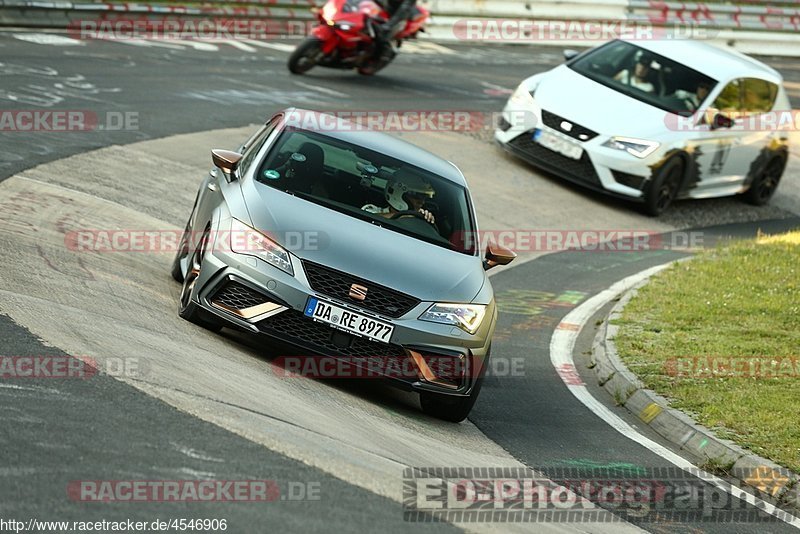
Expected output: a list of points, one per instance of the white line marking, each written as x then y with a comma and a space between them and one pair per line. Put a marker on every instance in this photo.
46, 39
273, 46
234, 43
142, 42
322, 89
426, 48
561, 346
205, 47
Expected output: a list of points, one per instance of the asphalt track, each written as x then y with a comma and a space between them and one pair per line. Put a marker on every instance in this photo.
235, 417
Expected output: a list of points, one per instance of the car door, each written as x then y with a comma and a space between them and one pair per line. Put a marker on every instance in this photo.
724, 153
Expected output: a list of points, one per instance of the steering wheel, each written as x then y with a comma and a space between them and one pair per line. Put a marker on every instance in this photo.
416, 214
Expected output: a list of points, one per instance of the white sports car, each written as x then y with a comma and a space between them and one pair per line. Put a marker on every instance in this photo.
654, 121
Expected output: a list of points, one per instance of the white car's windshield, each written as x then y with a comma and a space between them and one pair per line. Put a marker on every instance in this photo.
646, 76
369, 185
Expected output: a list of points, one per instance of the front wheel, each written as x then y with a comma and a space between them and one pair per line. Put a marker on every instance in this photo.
663, 187
447, 408
180, 256
766, 182
305, 56
453, 409
187, 308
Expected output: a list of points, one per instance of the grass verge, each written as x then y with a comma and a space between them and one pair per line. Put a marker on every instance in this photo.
719, 336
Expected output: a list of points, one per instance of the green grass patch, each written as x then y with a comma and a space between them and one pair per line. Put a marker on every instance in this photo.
707, 334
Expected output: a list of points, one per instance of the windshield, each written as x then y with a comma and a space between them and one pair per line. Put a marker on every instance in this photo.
371, 186
646, 76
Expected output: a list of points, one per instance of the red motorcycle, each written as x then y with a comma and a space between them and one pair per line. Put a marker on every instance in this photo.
346, 37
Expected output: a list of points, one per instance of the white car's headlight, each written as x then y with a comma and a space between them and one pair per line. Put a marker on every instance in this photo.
522, 95
247, 240
640, 148
468, 317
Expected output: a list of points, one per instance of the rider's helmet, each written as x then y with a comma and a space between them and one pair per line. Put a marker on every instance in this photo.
407, 183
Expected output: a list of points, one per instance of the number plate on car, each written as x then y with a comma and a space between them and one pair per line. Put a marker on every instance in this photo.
558, 144
348, 321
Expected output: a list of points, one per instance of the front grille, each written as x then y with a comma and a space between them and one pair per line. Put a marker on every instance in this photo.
237, 296
578, 132
293, 327
579, 170
379, 299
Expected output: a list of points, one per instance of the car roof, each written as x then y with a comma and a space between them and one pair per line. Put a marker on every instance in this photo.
719, 63
390, 145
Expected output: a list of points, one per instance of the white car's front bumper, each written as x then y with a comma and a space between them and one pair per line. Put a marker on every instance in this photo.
601, 168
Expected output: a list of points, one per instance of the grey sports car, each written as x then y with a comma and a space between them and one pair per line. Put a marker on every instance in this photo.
347, 244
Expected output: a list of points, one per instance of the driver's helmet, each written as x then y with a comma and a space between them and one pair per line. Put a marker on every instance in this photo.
405, 183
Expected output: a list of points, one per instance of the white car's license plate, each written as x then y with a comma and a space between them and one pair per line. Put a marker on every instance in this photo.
348, 321
557, 144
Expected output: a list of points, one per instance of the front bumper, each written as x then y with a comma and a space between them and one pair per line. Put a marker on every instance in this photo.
421, 356
600, 168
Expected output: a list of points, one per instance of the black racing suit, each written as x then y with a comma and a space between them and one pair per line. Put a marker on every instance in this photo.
399, 12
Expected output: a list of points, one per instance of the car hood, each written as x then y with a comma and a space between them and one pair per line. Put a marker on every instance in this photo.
423, 270
597, 107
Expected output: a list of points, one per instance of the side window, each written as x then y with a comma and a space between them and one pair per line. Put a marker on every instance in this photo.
255, 143
729, 99
758, 96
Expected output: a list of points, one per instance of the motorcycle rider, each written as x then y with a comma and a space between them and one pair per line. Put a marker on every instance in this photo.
399, 13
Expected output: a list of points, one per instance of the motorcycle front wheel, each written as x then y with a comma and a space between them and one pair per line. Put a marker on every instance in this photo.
305, 56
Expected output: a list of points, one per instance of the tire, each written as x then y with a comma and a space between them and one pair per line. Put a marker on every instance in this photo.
449, 408
373, 67
305, 56
187, 308
663, 187
766, 182
183, 250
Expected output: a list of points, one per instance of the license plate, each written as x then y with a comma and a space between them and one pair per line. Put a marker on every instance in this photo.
555, 143
348, 321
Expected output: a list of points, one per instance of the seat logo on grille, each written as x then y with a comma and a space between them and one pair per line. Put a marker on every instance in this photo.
566, 126
357, 292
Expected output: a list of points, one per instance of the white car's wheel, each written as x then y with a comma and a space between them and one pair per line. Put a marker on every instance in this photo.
766, 181
663, 187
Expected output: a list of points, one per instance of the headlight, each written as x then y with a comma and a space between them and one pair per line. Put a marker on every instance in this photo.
468, 317
249, 241
522, 95
636, 147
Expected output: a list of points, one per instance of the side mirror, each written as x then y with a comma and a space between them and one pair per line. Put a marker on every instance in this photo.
570, 53
227, 161
497, 255
720, 120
